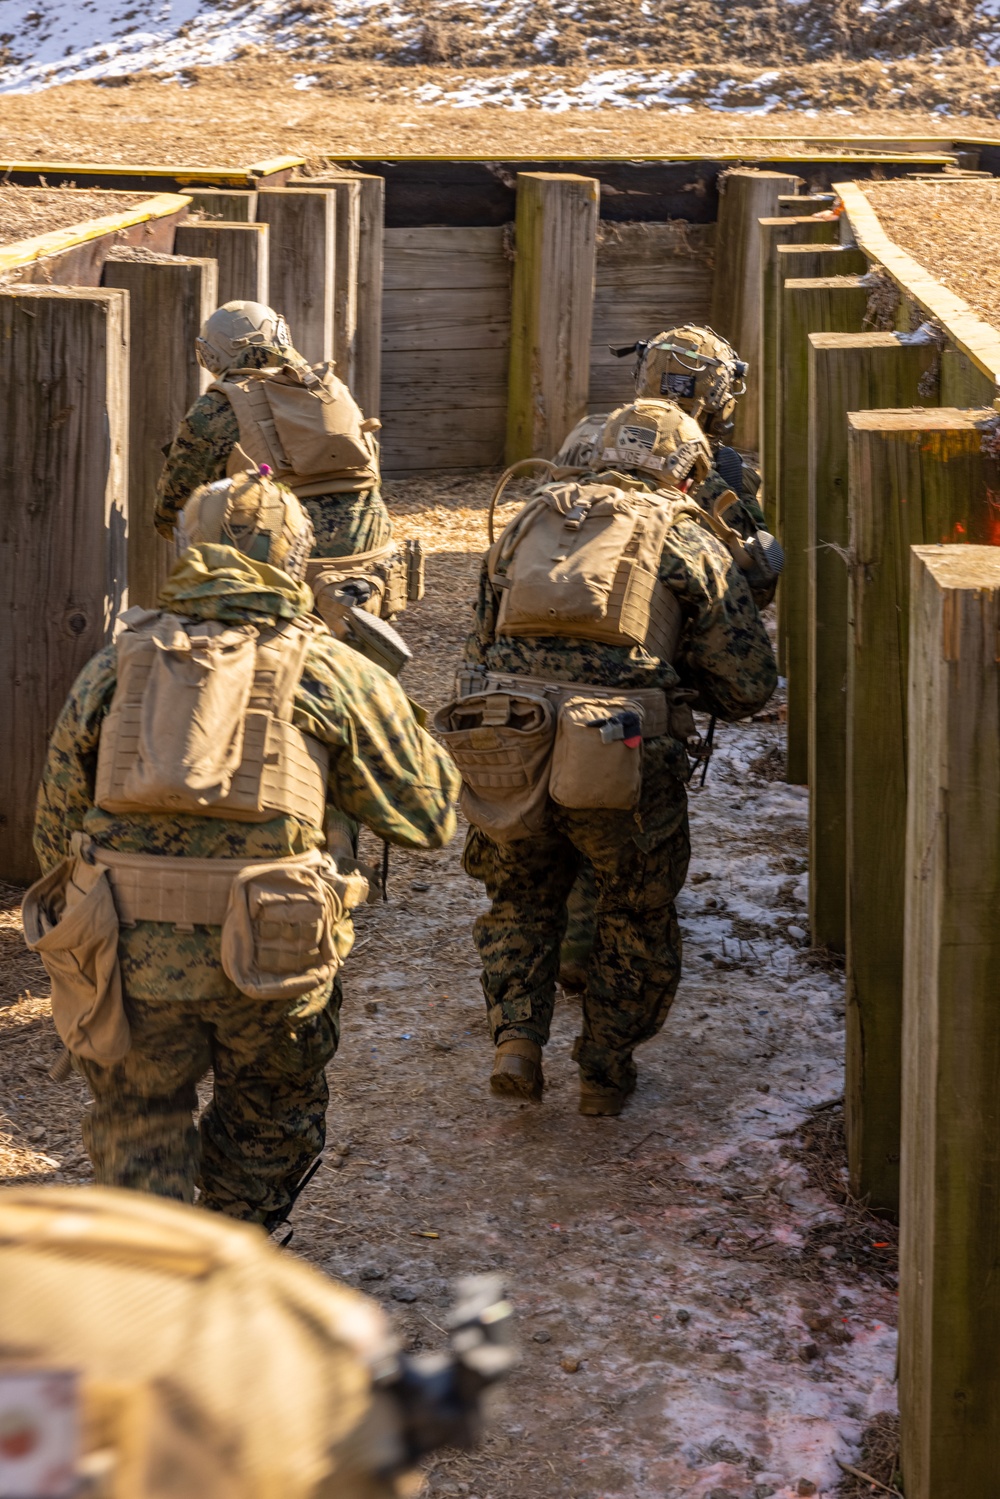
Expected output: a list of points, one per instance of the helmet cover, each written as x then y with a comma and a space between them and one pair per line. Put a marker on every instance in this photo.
656, 439
254, 514
237, 326
694, 367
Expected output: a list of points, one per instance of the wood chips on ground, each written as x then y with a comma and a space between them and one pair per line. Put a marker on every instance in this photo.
952, 228
26, 212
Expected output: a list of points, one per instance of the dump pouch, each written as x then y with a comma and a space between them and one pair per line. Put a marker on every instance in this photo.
597, 759
71, 922
287, 927
501, 743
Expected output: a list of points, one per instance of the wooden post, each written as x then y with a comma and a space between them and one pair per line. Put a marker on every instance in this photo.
302, 258
773, 232
63, 526
745, 196
847, 372
169, 299
233, 206
551, 310
369, 254
832, 304
241, 252
949, 1288
808, 262
345, 309
962, 383
915, 477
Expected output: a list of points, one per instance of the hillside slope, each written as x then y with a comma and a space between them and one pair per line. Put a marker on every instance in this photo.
673, 52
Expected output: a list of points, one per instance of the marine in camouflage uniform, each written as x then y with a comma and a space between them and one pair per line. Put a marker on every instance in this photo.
345, 524
266, 1120
638, 860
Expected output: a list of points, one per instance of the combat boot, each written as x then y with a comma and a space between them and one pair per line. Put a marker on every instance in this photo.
517, 1070
600, 1101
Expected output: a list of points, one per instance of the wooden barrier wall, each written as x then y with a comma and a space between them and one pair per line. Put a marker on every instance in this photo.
445, 346
649, 277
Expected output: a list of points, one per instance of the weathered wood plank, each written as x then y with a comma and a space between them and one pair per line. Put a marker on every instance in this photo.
551, 310
445, 320
424, 439
830, 304
950, 1208
772, 232
847, 372
241, 251
303, 263
915, 477
745, 197
168, 301
232, 205
444, 259
63, 524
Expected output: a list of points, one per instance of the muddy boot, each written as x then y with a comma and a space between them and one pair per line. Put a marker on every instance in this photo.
517, 1070
603, 1102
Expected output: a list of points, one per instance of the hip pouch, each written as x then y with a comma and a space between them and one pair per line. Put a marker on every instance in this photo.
288, 927
597, 760
501, 743
70, 920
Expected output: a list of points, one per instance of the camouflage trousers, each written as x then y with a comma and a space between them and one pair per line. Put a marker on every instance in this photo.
635, 964
266, 1121
346, 524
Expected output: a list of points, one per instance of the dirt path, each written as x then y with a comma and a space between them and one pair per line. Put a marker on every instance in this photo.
699, 1314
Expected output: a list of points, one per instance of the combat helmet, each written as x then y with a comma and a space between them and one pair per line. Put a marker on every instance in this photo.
163, 1351
237, 326
252, 513
657, 440
697, 369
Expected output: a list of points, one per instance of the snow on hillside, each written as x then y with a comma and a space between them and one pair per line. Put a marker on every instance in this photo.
649, 54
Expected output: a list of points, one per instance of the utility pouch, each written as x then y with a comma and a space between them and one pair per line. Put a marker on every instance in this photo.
70, 920
502, 745
413, 550
288, 927
597, 759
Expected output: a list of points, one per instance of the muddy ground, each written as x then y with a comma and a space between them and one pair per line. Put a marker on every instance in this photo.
701, 1314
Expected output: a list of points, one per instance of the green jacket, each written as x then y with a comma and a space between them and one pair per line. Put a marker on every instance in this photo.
345, 524
385, 771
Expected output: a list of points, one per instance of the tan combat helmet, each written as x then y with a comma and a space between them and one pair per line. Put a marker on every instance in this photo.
254, 514
156, 1351
695, 368
237, 326
657, 440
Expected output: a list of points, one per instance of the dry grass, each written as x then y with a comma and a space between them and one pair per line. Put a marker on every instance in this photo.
28, 211
952, 229
879, 1459
248, 112
857, 1241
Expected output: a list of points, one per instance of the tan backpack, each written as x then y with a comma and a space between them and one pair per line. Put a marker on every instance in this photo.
305, 424
582, 560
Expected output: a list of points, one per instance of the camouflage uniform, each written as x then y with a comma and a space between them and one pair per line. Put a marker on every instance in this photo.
266, 1120
345, 524
639, 859
748, 515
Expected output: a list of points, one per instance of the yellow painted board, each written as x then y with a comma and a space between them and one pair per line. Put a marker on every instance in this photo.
24, 251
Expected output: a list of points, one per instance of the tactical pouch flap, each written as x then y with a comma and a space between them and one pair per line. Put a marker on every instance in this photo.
288, 926
597, 760
318, 421
71, 922
502, 745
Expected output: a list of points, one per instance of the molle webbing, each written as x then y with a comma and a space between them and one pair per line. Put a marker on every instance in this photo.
183, 892
281, 769
652, 701
582, 561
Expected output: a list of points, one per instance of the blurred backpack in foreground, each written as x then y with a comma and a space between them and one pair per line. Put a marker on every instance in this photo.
149, 1350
